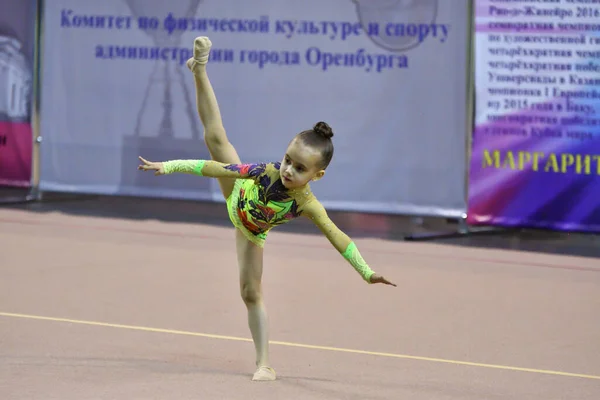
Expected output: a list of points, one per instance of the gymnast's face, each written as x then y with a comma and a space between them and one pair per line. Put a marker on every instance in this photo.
300, 165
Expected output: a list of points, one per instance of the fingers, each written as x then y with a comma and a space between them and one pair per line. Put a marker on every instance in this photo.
381, 279
148, 165
144, 160
142, 167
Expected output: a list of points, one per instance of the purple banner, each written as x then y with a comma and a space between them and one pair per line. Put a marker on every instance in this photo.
535, 158
17, 41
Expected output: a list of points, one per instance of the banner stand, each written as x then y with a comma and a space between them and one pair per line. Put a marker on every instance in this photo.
34, 193
463, 230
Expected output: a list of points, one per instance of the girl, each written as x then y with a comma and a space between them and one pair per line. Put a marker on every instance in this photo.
260, 196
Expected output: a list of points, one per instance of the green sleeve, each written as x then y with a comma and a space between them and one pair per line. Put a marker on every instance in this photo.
184, 166
214, 169
360, 265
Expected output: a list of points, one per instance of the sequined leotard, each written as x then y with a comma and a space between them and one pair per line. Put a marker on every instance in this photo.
259, 201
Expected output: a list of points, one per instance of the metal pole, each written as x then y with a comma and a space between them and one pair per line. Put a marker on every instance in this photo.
470, 107
37, 136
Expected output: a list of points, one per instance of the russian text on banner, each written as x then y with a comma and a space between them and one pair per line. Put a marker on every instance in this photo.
536, 143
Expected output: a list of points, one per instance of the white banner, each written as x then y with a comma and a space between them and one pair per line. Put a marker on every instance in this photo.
389, 76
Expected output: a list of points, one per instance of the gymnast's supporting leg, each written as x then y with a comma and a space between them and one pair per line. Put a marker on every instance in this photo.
218, 144
250, 260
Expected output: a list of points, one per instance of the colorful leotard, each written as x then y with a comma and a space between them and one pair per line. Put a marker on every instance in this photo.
257, 205
259, 201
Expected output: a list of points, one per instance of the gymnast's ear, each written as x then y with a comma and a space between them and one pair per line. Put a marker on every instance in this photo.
318, 175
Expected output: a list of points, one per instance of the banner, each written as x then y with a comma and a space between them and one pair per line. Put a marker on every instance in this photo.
17, 42
388, 76
536, 145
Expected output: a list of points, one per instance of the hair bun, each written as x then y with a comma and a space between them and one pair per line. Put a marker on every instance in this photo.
321, 128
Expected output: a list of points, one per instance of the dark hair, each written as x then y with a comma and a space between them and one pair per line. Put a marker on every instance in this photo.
319, 137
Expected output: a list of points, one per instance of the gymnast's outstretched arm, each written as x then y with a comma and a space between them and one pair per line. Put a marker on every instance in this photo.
207, 168
342, 242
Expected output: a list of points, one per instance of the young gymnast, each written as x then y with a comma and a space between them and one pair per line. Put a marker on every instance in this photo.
260, 196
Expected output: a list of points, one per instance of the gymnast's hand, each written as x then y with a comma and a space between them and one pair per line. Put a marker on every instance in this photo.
152, 166
376, 278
